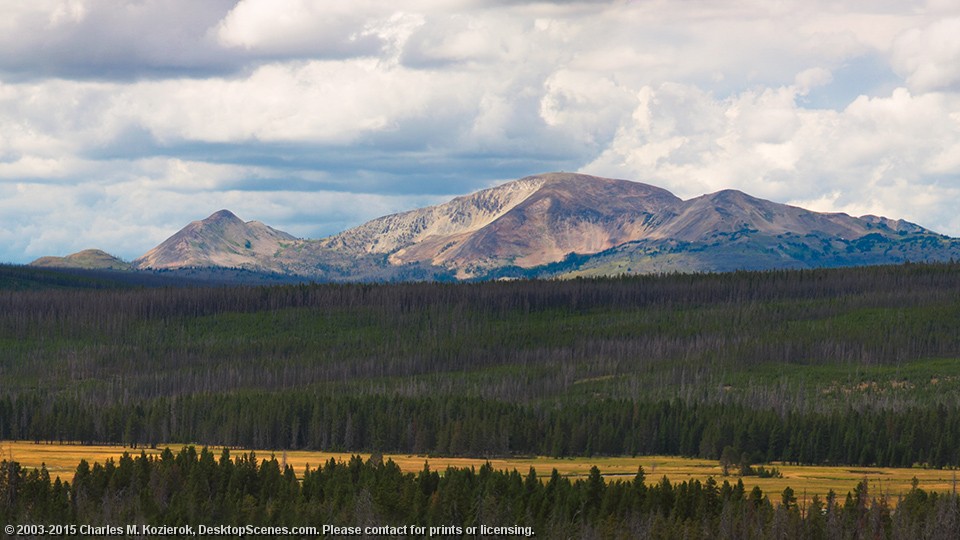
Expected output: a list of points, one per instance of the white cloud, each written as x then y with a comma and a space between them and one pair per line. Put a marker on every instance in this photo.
929, 57
299, 27
588, 107
466, 39
312, 101
100, 39
72, 11
139, 116
807, 80
315, 101
891, 155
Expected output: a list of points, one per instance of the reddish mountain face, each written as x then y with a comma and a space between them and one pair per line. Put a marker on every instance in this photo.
542, 219
569, 213
222, 239
603, 225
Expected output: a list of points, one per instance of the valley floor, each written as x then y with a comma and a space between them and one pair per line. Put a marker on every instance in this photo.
805, 480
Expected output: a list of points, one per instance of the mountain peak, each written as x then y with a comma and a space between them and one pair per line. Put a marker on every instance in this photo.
533, 226
530, 221
222, 239
729, 195
222, 215
558, 177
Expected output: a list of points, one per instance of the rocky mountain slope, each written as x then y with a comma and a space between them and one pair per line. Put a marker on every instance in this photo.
559, 224
222, 239
532, 225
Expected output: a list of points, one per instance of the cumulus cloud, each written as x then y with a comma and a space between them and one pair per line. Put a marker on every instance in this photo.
588, 106
889, 155
314, 101
100, 39
300, 28
929, 57
139, 116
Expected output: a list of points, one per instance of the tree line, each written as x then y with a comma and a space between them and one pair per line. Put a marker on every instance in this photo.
195, 487
486, 428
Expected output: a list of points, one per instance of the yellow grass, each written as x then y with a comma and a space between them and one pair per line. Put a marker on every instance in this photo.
806, 481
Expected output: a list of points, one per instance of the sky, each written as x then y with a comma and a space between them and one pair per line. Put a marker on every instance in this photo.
121, 121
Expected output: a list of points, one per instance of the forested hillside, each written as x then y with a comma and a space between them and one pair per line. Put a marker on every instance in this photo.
855, 366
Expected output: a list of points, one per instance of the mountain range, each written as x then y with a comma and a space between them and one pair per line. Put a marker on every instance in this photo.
550, 225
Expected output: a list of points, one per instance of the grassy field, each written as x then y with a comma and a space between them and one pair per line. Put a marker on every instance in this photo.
806, 481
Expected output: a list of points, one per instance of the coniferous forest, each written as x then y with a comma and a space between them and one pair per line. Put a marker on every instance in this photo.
856, 366
244, 495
